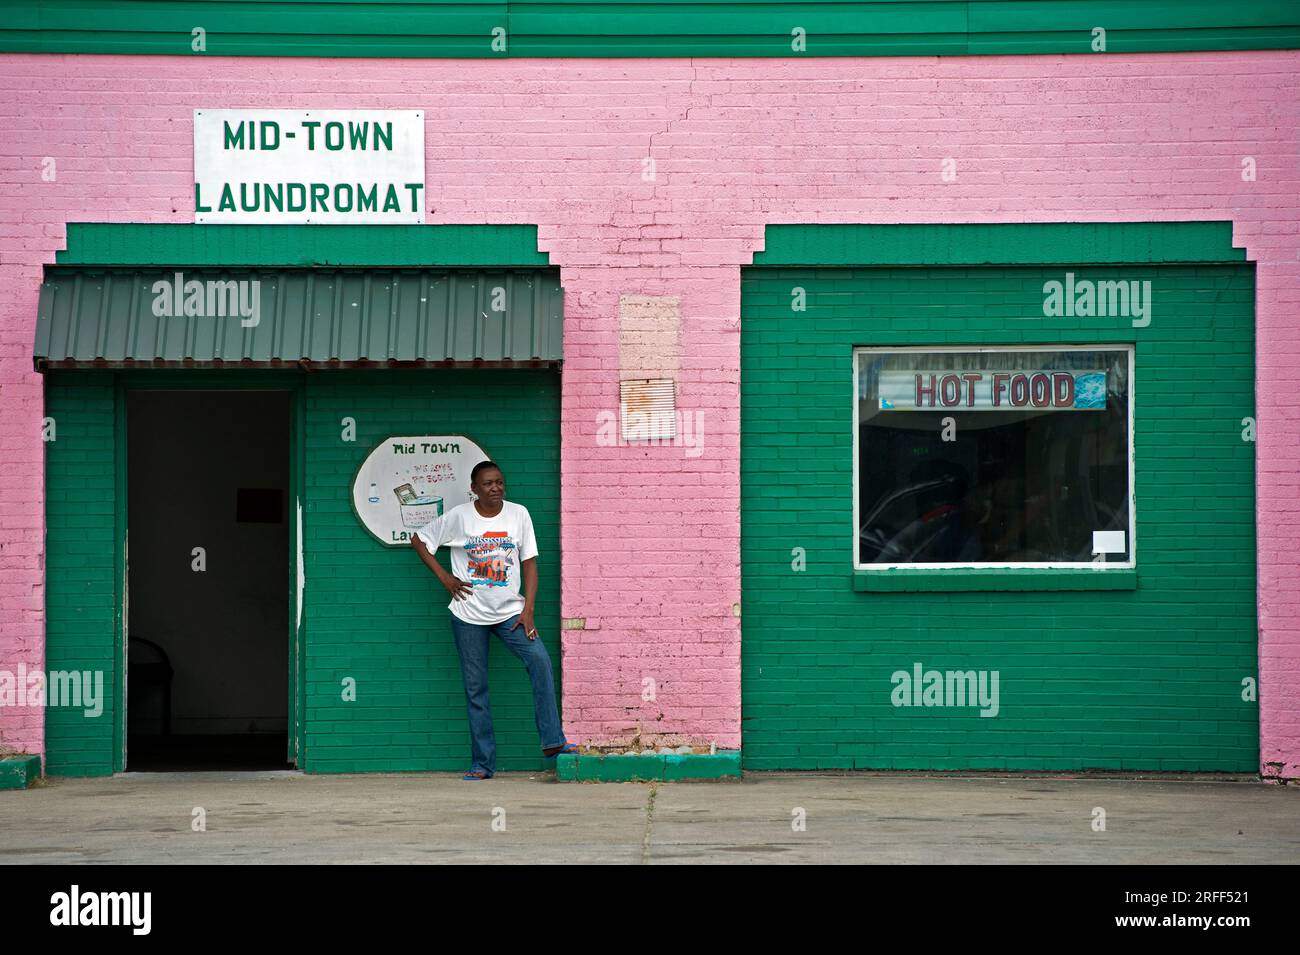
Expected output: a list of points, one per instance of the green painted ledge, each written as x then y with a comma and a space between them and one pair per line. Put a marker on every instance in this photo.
17, 772
362, 246
963, 579
645, 767
998, 243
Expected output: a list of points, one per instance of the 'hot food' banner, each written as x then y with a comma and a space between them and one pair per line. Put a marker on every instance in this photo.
992, 390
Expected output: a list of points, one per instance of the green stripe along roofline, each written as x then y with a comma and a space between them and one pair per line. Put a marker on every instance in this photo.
632, 28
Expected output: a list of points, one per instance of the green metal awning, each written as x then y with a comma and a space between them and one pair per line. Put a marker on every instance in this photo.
97, 317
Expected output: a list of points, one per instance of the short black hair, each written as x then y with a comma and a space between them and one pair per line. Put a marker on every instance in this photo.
482, 466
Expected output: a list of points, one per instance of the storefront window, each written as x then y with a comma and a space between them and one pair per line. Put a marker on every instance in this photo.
1002, 457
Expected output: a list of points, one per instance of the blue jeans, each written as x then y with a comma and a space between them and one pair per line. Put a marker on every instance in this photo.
472, 645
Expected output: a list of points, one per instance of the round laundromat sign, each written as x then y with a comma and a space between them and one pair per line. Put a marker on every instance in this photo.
406, 482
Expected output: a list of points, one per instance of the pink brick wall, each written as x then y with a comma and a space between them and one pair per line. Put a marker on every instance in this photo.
651, 535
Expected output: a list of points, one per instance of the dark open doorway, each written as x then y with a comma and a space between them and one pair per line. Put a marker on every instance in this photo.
207, 585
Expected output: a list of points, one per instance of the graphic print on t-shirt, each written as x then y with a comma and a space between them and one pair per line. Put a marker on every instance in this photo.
489, 558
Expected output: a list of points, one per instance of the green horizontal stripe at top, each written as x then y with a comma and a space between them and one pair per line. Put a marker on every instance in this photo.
634, 28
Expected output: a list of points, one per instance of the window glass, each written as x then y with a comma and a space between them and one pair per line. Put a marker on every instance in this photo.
993, 456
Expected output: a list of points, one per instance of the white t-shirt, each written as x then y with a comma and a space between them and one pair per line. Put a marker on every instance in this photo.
487, 553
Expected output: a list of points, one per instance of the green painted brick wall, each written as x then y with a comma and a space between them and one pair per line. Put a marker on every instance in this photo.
79, 565
1149, 678
376, 613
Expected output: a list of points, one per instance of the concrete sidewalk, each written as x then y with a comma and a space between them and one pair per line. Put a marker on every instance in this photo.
291, 817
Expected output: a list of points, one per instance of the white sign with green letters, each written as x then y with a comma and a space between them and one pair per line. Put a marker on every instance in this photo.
290, 165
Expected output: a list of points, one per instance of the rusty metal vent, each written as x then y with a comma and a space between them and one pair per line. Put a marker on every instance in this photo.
648, 409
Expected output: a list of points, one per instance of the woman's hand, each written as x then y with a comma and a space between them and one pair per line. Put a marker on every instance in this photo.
530, 628
459, 589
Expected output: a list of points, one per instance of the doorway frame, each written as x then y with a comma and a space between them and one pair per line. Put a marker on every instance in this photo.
212, 379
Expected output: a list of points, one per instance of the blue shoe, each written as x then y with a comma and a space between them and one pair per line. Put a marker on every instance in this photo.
566, 748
